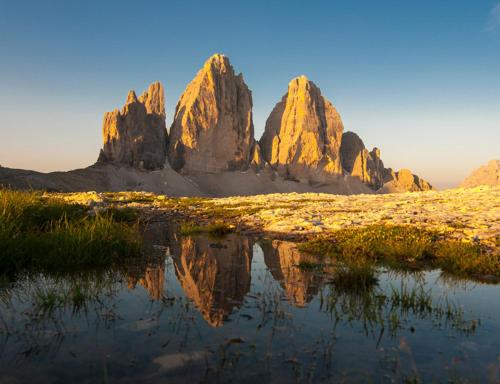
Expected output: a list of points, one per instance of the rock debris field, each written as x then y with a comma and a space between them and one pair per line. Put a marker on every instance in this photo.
464, 214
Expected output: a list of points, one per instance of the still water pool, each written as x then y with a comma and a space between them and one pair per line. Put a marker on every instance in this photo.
242, 310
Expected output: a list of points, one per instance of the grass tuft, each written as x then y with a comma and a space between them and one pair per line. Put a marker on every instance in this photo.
214, 229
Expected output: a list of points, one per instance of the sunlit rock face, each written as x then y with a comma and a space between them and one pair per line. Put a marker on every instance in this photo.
362, 164
404, 181
303, 134
283, 260
213, 129
136, 136
488, 174
215, 275
257, 162
368, 167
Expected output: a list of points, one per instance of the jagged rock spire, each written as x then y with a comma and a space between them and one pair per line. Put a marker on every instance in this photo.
302, 135
137, 135
360, 163
368, 167
213, 129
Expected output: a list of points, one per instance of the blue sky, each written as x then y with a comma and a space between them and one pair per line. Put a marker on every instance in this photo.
418, 79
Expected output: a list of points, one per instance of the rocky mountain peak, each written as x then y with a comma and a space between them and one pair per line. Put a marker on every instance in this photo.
375, 153
213, 128
131, 97
154, 99
136, 136
303, 134
404, 181
360, 163
488, 174
219, 62
368, 167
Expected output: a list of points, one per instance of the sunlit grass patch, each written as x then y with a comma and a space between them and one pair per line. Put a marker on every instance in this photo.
405, 247
209, 208
214, 229
47, 233
25, 211
466, 258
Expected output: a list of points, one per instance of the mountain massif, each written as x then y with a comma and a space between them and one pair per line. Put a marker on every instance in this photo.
488, 174
210, 149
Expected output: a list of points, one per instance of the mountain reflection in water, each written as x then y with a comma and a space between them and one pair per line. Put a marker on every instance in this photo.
216, 276
216, 273
240, 309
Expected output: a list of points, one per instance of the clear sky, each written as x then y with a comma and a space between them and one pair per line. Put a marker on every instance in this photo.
418, 79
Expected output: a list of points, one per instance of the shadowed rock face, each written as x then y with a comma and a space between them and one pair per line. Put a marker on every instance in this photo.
368, 167
488, 174
303, 134
283, 260
137, 135
362, 164
213, 129
215, 275
404, 181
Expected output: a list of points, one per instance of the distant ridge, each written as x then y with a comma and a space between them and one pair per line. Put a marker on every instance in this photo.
488, 174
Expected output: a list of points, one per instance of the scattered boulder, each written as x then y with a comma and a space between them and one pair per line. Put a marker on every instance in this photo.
213, 128
303, 134
488, 174
136, 136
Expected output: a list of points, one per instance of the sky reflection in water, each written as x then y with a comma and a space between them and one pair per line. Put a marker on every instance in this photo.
234, 309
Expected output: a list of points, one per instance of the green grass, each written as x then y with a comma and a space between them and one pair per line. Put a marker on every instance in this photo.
465, 258
205, 207
356, 296
354, 277
122, 214
406, 247
214, 229
27, 211
310, 265
45, 233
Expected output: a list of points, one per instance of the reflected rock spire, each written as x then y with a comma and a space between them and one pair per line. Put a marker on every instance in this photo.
283, 259
215, 276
